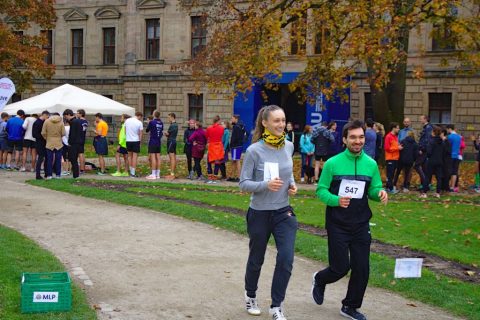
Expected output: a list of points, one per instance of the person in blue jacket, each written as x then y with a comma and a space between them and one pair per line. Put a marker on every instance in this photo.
15, 133
307, 149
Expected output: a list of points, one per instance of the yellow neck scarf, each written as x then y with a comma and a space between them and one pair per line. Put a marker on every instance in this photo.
277, 142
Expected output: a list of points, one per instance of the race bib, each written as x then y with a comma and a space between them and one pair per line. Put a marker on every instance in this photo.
352, 188
271, 171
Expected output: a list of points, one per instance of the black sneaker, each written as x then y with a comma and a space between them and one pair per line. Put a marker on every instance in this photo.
318, 290
352, 313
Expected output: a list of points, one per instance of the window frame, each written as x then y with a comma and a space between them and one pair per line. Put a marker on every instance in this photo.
195, 111
109, 56
77, 49
201, 37
152, 45
152, 97
440, 109
48, 47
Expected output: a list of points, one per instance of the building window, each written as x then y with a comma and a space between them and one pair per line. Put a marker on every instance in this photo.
195, 106
298, 37
369, 114
77, 47
440, 108
442, 38
199, 35
149, 103
321, 39
108, 45
153, 39
48, 46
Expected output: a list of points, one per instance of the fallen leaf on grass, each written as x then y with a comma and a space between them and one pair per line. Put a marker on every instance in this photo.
97, 307
466, 232
470, 273
446, 231
412, 305
393, 282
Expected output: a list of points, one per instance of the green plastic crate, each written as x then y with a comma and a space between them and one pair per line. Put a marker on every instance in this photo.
45, 292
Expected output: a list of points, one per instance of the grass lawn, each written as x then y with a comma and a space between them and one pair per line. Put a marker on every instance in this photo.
19, 254
458, 297
447, 229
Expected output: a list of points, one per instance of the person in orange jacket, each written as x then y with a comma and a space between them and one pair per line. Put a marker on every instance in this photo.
216, 152
392, 155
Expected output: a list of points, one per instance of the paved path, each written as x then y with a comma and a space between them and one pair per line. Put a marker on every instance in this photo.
139, 264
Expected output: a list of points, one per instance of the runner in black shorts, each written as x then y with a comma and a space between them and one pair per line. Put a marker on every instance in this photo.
172, 147
133, 146
172, 143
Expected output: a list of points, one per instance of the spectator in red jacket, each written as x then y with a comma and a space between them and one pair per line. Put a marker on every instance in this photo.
216, 152
392, 155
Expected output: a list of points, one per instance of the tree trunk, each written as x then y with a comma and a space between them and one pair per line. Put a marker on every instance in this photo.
389, 101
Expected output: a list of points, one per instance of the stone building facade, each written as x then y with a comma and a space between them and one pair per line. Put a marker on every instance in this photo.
125, 49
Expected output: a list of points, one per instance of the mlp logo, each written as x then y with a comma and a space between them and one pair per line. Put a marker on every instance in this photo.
45, 297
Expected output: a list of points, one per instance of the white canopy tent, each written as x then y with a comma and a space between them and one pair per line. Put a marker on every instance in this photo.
69, 97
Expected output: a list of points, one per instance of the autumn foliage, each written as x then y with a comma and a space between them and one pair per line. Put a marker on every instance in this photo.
21, 55
251, 41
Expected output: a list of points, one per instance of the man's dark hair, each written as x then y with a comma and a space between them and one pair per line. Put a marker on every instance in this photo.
355, 124
370, 123
4, 115
436, 131
394, 125
68, 112
451, 126
55, 114
236, 116
99, 115
81, 112
171, 114
156, 114
45, 112
138, 114
21, 113
426, 117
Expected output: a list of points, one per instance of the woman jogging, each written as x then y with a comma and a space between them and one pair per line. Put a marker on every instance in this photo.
268, 174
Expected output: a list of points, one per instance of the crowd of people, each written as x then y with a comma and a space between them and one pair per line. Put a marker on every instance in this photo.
438, 152
52, 141
57, 144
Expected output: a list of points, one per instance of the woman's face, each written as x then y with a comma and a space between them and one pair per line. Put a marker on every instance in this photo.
275, 122
289, 127
334, 127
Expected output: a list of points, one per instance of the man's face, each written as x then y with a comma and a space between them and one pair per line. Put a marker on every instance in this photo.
233, 120
406, 122
396, 130
355, 140
423, 120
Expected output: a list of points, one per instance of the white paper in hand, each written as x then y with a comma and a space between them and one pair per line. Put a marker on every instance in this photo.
408, 268
270, 171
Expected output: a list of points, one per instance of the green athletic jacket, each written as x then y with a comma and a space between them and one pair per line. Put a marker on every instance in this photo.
122, 137
352, 167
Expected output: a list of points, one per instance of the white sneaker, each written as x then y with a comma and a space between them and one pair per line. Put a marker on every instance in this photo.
251, 305
277, 313
151, 177
302, 179
22, 169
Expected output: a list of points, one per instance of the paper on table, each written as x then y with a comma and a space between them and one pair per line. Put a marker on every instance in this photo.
270, 171
408, 268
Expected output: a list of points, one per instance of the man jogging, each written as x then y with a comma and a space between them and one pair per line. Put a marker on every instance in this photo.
348, 180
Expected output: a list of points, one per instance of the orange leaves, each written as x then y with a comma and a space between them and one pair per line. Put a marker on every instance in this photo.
24, 49
332, 40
